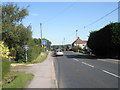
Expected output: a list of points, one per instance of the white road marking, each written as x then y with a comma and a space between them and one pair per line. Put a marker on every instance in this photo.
75, 59
111, 73
88, 64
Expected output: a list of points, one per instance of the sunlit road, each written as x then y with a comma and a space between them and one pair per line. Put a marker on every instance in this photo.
79, 71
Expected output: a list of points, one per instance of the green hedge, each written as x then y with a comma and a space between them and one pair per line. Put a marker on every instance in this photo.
5, 66
106, 41
33, 52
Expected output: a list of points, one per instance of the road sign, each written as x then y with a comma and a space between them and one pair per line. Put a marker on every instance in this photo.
26, 47
44, 42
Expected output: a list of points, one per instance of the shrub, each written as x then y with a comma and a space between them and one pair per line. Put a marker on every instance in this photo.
5, 66
21, 60
76, 48
13, 61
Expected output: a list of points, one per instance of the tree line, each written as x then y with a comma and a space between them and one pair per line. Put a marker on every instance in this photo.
106, 41
15, 34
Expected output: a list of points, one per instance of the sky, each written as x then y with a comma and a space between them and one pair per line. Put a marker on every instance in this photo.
60, 20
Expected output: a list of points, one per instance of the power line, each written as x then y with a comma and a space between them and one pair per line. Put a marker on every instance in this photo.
102, 17
61, 12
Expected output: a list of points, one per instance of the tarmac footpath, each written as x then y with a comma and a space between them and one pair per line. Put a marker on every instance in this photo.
44, 74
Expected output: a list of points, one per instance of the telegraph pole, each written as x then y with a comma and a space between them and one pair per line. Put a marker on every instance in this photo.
76, 34
118, 11
64, 41
41, 33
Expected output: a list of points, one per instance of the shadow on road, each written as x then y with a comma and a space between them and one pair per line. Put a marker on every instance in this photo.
87, 57
81, 56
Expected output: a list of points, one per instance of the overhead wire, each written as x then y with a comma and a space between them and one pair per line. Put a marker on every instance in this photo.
98, 19
71, 5
102, 17
60, 13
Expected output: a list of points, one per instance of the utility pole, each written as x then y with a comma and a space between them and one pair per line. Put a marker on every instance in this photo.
118, 11
76, 34
64, 41
41, 33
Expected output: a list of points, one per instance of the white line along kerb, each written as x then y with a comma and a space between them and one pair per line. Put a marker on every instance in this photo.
111, 73
88, 64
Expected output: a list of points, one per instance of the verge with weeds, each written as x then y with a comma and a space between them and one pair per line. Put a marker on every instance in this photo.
41, 58
17, 80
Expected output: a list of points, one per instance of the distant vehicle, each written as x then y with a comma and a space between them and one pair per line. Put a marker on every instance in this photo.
58, 52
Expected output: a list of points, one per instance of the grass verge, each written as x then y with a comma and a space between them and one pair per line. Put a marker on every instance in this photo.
21, 80
40, 58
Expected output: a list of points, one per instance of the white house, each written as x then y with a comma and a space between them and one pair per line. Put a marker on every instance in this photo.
80, 43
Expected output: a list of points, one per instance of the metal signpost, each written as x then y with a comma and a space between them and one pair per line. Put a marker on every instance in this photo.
44, 42
26, 47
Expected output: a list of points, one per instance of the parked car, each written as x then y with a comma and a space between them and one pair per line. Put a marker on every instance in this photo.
58, 52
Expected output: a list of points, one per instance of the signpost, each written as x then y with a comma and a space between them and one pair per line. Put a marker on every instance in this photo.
26, 47
44, 42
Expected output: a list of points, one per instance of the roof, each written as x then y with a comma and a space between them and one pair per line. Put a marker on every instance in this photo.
79, 41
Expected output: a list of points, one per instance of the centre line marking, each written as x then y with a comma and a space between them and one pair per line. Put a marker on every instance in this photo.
111, 73
75, 59
88, 64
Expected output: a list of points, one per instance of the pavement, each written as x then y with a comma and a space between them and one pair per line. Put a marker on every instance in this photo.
44, 74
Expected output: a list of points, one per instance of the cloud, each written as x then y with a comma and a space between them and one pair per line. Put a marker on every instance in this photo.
34, 14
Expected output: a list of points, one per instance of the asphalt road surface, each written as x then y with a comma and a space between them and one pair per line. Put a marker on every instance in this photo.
79, 71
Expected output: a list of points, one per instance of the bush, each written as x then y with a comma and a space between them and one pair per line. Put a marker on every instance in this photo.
33, 52
21, 60
76, 48
5, 67
13, 61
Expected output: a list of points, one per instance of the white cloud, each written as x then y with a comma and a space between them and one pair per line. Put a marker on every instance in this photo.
34, 14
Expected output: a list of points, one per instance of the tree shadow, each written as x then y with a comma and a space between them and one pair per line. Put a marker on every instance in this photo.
88, 57
81, 56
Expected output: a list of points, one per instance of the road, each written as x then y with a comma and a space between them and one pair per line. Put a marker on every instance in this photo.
79, 71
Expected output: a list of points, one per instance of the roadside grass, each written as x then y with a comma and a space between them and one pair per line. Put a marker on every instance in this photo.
40, 58
20, 80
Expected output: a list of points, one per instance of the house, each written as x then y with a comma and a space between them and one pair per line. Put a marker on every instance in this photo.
80, 43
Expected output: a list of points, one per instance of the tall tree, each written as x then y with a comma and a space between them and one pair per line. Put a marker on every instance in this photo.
12, 15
